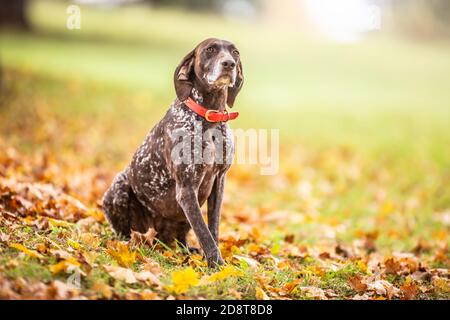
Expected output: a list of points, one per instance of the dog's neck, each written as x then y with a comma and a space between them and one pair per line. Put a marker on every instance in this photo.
213, 100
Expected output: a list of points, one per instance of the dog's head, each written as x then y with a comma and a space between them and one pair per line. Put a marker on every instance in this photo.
214, 64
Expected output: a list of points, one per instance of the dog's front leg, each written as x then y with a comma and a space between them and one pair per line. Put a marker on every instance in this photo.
214, 204
187, 199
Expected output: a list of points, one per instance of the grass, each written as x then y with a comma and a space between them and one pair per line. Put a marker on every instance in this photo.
364, 134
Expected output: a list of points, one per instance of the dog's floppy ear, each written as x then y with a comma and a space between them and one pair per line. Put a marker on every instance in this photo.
182, 77
234, 90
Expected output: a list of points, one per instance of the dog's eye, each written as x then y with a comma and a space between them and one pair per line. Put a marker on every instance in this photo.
235, 52
210, 49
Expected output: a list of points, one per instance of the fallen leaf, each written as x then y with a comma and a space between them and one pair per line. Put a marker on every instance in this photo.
74, 244
260, 294
61, 254
120, 252
236, 294
121, 274
392, 266
62, 291
289, 287
182, 280
147, 276
90, 240
59, 223
103, 289
96, 214
226, 272
29, 252
314, 292
441, 285
143, 295
409, 290
4, 237
340, 250
383, 288
138, 239
42, 248
252, 263
152, 266
289, 238
357, 284
64, 265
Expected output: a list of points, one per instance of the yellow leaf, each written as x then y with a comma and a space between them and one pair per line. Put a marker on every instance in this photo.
120, 252
261, 295
182, 280
90, 239
64, 265
441, 285
96, 214
31, 253
90, 257
58, 223
386, 208
283, 265
362, 265
73, 244
226, 272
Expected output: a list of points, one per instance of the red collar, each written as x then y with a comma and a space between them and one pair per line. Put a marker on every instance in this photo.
210, 115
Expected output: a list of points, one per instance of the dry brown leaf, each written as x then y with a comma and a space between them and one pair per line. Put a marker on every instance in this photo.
138, 239
61, 254
383, 288
236, 294
62, 291
314, 292
409, 290
143, 295
289, 287
147, 276
4, 237
357, 284
392, 265
121, 274
103, 289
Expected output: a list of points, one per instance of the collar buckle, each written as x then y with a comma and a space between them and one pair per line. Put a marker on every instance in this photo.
207, 115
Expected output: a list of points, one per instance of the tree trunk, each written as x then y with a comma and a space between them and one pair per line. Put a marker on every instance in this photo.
13, 14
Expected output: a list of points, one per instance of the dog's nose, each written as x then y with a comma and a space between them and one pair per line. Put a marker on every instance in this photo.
228, 64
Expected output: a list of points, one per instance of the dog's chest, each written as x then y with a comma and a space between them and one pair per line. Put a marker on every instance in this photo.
202, 143
181, 142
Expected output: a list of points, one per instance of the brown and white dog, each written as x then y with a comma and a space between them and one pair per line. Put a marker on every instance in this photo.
165, 185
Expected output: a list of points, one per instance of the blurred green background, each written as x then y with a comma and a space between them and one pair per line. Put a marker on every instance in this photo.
385, 88
371, 98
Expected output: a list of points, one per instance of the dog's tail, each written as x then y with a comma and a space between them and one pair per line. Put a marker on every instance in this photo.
116, 203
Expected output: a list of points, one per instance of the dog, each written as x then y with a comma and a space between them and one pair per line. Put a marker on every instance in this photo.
157, 190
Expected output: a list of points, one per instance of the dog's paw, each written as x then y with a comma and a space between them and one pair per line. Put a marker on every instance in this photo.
193, 250
215, 261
